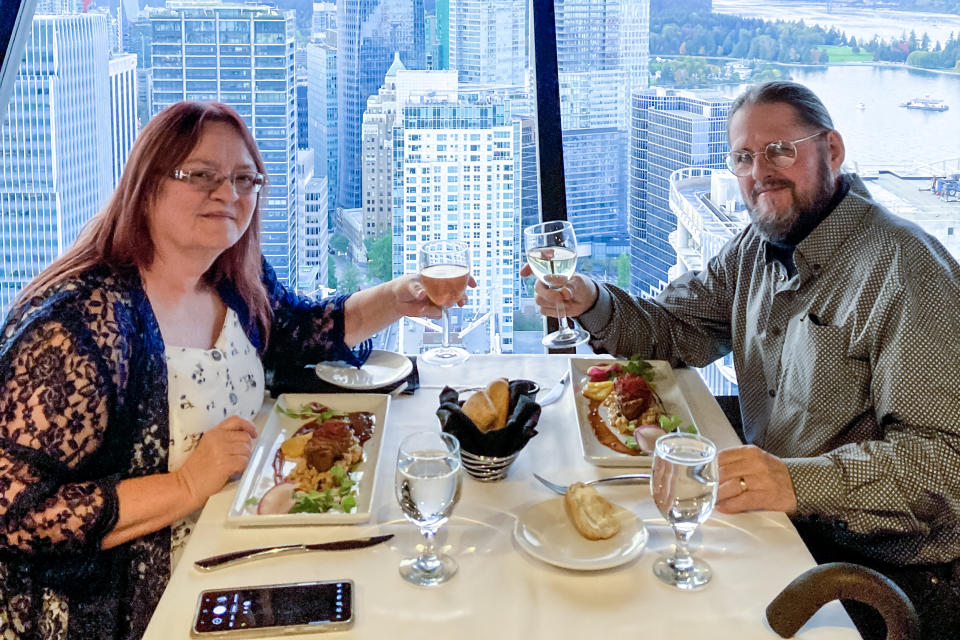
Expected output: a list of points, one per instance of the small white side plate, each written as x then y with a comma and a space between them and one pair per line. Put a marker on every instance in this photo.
545, 532
380, 369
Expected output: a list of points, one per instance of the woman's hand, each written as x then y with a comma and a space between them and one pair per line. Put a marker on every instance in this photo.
222, 452
578, 295
411, 298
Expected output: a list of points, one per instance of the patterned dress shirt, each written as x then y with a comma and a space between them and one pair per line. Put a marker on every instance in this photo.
849, 370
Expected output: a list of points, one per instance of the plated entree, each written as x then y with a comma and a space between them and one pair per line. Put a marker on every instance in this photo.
625, 411
313, 468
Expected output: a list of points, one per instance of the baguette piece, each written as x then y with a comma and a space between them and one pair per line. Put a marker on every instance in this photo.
499, 393
591, 514
480, 409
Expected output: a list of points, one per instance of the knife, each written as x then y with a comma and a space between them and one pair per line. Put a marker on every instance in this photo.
556, 392
228, 559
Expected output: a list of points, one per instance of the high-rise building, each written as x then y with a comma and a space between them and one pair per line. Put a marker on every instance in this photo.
456, 177
123, 109
56, 169
242, 55
369, 33
602, 56
314, 234
671, 130
487, 41
322, 118
139, 33
324, 17
303, 138
442, 7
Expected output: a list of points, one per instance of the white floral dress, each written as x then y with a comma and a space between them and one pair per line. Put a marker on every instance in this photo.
206, 386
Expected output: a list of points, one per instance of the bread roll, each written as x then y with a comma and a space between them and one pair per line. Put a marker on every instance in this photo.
592, 514
499, 393
480, 409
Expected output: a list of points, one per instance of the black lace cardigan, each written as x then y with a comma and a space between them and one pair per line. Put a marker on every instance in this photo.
83, 405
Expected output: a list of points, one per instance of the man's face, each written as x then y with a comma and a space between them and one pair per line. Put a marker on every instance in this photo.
777, 198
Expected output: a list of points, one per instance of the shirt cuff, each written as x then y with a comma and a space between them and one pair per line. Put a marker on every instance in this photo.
598, 316
817, 484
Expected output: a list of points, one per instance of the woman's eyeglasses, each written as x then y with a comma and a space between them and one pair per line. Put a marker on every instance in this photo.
208, 181
779, 153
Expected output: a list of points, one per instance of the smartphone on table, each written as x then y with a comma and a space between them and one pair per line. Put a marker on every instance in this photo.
250, 612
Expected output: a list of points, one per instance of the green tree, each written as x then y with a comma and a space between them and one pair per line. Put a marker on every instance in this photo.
351, 279
623, 271
380, 257
331, 273
339, 243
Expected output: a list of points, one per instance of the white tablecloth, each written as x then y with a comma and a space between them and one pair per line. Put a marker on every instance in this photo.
500, 591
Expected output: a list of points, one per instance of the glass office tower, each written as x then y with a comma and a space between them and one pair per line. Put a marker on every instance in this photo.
56, 168
671, 130
369, 32
602, 56
241, 55
487, 41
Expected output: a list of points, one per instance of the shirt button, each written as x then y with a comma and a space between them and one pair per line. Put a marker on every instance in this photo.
215, 354
771, 393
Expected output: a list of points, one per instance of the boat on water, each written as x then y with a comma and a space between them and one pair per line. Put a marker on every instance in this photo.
926, 103
861, 106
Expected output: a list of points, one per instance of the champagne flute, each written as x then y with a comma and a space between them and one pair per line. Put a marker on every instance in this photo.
428, 486
552, 254
444, 270
684, 488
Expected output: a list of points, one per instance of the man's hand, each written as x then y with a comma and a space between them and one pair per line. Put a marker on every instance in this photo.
410, 298
751, 479
577, 295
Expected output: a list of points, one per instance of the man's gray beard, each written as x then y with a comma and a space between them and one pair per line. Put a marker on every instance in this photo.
776, 228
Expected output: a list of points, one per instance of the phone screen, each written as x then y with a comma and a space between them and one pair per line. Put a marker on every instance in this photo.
283, 605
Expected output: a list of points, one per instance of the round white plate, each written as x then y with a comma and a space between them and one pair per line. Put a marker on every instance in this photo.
545, 532
380, 369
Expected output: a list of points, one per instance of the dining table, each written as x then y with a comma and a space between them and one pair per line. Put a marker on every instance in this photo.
501, 591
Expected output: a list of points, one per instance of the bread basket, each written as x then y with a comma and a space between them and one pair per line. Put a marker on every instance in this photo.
487, 468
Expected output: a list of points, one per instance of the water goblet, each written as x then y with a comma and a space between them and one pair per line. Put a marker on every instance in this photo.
552, 254
684, 488
428, 486
444, 271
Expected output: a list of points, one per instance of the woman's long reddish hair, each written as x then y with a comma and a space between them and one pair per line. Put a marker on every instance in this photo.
119, 235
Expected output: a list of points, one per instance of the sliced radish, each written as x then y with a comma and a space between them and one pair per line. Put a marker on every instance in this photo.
646, 436
277, 499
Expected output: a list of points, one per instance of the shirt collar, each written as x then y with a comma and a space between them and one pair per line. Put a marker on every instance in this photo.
816, 250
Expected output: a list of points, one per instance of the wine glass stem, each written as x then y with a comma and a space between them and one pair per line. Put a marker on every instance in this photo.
682, 558
445, 324
428, 559
562, 317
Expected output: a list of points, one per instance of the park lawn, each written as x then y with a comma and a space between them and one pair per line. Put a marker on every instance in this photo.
846, 54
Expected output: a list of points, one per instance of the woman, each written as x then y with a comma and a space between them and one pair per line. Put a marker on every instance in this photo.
151, 331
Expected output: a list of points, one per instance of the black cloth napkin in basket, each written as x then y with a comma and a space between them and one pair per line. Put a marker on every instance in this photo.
521, 422
290, 379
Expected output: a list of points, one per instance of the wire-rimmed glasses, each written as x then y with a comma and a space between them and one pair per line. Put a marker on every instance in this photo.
779, 153
684, 488
444, 271
208, 180
552, 255
428, 487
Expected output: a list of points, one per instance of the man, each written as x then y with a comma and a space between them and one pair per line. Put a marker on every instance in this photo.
844, 328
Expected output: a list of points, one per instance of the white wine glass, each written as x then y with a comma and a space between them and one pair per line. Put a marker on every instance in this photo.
444, 271
551, 249
684, 488
428, 486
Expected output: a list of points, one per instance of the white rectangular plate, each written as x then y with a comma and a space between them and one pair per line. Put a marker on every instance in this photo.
603, 456
259, 474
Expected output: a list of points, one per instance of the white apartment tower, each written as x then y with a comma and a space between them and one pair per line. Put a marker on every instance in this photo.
56, 169
488, 41
242, 55
456, 177
123, 109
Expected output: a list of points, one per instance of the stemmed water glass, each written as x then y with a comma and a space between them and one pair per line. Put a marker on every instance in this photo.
684, 488
428, 487
444, 271
552, 254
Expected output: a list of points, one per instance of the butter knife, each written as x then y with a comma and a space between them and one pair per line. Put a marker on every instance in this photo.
229, 559
556, 392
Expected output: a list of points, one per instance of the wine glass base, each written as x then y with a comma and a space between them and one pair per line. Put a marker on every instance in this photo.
414, 572
693, 576
565, 339
445, 356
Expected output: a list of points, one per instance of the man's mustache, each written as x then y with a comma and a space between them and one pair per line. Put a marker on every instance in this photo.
771, 184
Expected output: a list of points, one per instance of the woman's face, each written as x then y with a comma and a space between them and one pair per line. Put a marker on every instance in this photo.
189, 222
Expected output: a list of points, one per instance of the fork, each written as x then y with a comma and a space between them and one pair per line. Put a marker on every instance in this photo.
625, 477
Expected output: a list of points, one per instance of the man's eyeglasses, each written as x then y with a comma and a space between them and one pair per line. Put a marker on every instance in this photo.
779, 153
208, 181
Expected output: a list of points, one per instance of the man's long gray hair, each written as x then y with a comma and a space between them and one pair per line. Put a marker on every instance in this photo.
809, 108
